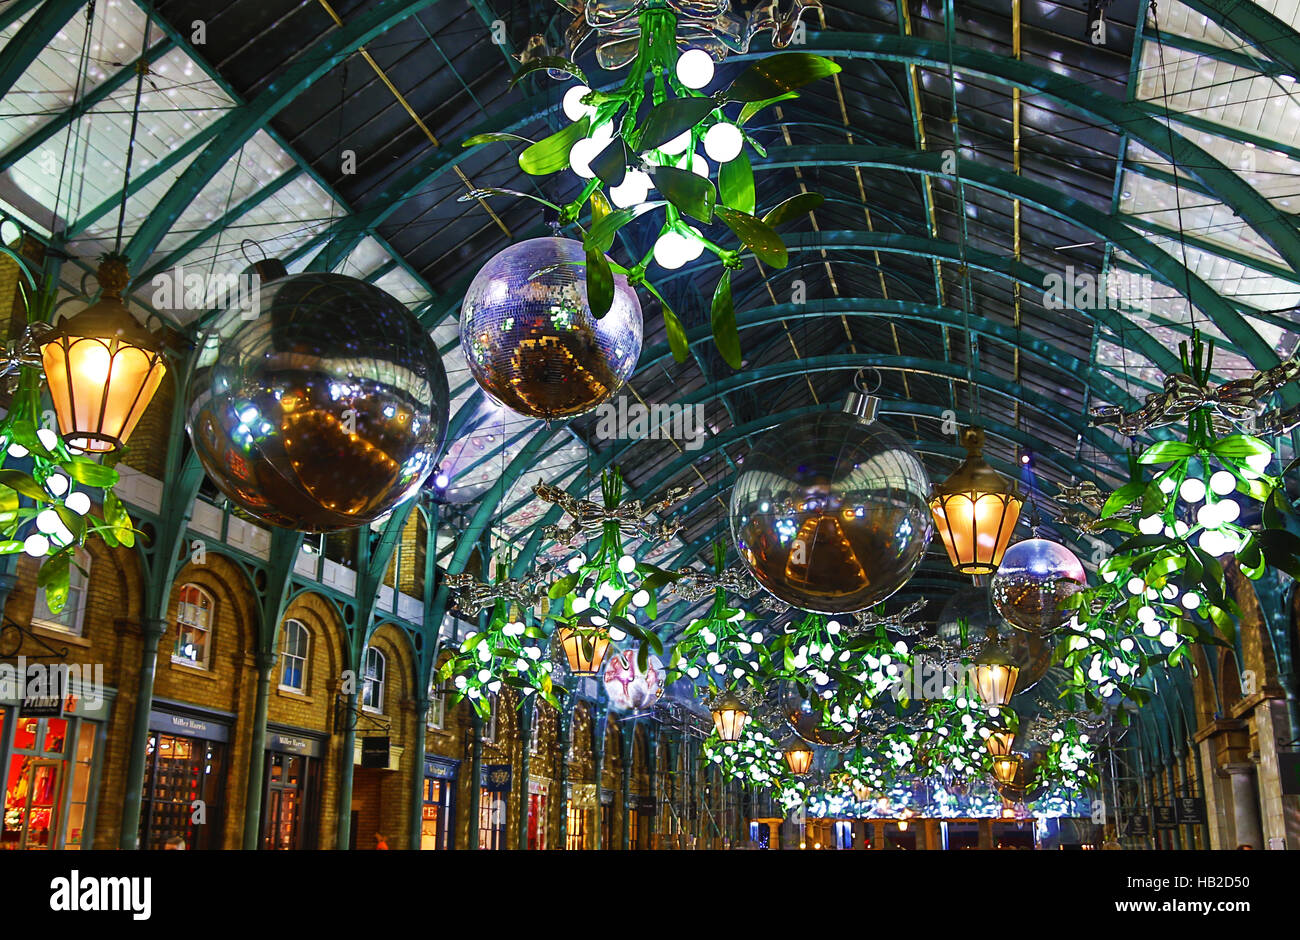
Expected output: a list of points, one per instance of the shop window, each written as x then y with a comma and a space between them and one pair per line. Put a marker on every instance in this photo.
69, 619
79, 786
439, 815
297, 641
34, 784
633, 828
289, 813
576, 837
193, 626
372, 687
438, 693
180, 771
491, 819
537, 815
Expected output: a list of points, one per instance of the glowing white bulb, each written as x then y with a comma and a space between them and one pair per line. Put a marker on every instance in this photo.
1191, 600
1150, 525
574, 109
56, 484
1192, 490
1228, 511
78, 502
17, 450
574, 564
1169, 638
47, 438
1208, 516
1259, 462
580, 604
695, 69
640, 599
1126, 644
632, 191
1152, 628
1136, 585
36, 545
672, 250
581, 154
1222, 482
1166, 484
677, 145
47, 521
1146, 613
723, 142
627, 564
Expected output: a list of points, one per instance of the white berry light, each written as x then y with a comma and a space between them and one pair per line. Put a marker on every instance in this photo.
581, 155
695, 68
672, 250
632, 191
574, 109
723, 142
1192, 490
1222, 482
677, 145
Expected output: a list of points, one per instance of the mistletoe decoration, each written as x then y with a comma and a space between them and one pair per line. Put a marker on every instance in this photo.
643, 136
45, 503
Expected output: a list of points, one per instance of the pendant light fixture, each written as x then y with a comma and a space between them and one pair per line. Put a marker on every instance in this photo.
1005, 768
999, 742
995, 672
975, 510
800, 757
102, 366
584, 648
729, 716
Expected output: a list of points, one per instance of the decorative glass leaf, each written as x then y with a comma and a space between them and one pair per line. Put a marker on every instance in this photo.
691, 194
757, 236
671, 119
778, 74
723, 317
551, 154
736, 184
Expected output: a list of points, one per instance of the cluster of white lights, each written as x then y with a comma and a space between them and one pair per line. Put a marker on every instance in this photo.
50, 528
723, 142
1215, 513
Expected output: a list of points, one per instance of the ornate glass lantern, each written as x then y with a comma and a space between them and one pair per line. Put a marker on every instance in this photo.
799, 756
103, 368
1005, 768
975, 510
999, 742
729, 716
584, 648
995, 672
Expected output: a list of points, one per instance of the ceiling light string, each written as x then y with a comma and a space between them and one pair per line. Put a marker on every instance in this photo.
972, 348
73, 139
141, 67
1173, 162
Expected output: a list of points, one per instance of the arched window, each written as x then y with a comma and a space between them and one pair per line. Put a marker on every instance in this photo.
372, 685
69, 619
193, 626
293, 654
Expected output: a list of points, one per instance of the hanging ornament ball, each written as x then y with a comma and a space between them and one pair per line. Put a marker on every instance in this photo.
322, 410
811, 719
830, 512
530, 338
1035, 576
629, 687
1031, 651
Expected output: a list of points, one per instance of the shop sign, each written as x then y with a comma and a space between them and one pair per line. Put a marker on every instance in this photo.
1138, 826
1190, 810
188, 727
1288, 768
496, 778
374, 752
293, 744
1166, 817
440, 769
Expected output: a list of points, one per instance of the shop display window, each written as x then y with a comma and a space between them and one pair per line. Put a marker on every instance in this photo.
181, 771
576, 837
34, 784
438, 814
193, 626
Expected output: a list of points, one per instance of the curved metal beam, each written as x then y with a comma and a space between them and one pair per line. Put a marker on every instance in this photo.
1269, 35
237, 126
29, 42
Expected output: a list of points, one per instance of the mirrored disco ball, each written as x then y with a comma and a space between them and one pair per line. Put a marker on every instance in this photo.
1035, 576
830, 512
810, 721
628, 687
324, 410
530, 338
1031, 651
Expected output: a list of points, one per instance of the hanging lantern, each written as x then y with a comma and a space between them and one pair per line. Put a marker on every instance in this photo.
584, 649
999, 742
800, 757
1005, 768
103, 368
975, 510
903, 819
729, 716
995, 672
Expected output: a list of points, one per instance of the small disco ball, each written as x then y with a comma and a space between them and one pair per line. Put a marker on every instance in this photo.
530, 338
810, 720
321, 411
830, 513
1036, 575
628, 687
1031, 651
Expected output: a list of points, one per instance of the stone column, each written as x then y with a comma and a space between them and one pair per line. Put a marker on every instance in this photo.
1281, 814
1245, 805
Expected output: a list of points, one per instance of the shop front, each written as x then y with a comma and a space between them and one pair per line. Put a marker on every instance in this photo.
438, 815
50, 747
494, 805
292, 794
185, 772
539, 792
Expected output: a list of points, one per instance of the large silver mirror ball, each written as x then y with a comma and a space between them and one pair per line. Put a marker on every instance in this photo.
830, 512
531, 340
322, 411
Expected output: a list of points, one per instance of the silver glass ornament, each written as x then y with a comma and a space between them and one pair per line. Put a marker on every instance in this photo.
830, 513
1035, 576
531, 340
320, 407
1031, 651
